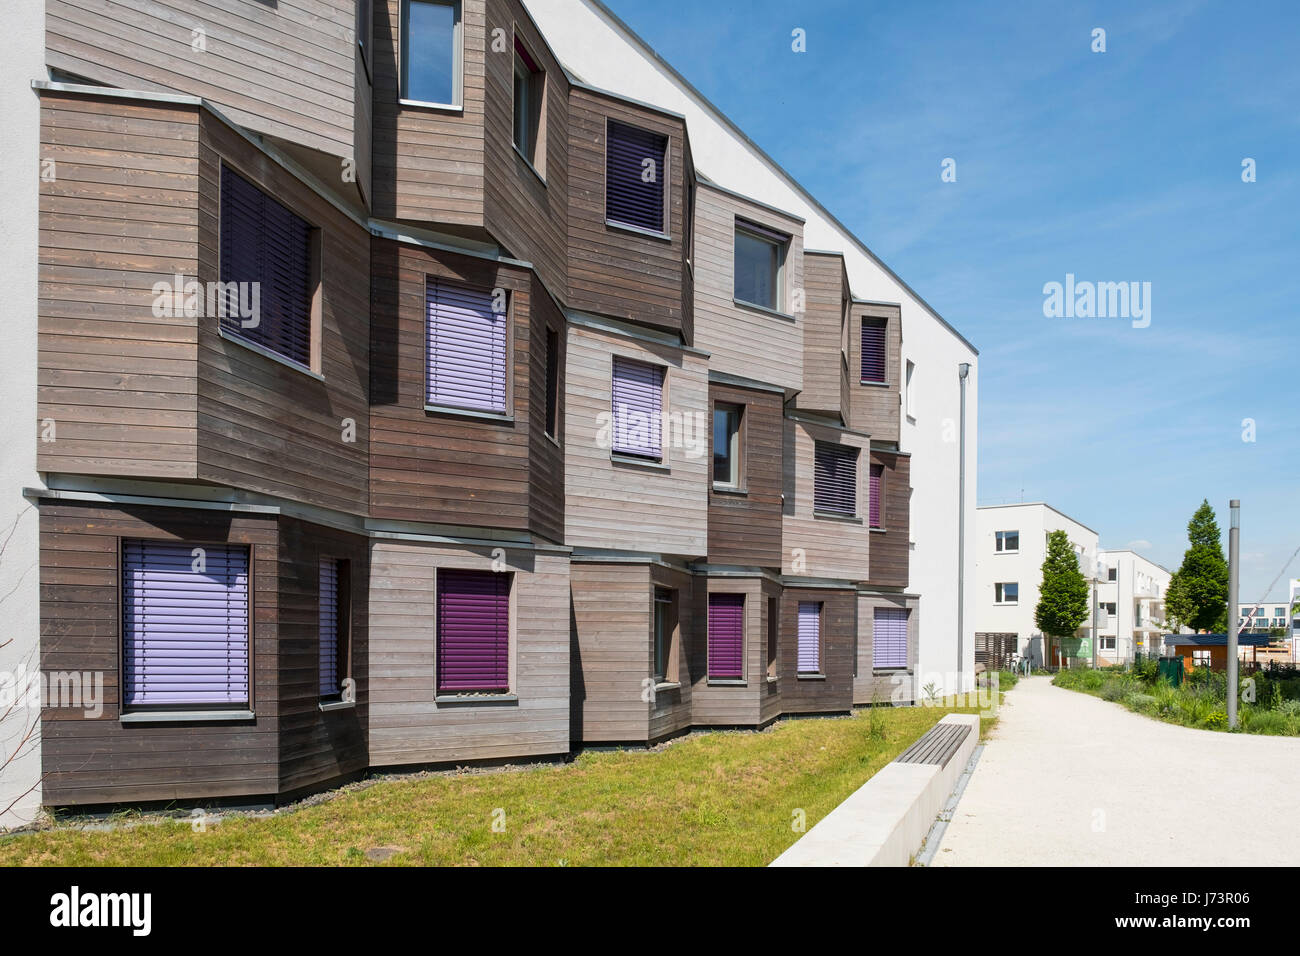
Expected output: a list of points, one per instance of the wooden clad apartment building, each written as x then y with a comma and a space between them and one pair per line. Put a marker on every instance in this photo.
406, 400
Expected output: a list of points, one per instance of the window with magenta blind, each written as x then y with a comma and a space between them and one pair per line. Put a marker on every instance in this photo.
473, 637
727, 636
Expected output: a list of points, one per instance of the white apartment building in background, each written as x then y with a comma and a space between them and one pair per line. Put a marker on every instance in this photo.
1132, 594
1010, 545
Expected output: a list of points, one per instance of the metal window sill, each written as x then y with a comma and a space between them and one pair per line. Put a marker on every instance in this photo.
443, 699
873, 383
186, 716
773, 678
501, 417
734, 490
727, 682
765, 310
827, 516
637, 230
668, 685
327, 706
263, 351
638, 462
891, 671
810, 676
875, 530
428, 105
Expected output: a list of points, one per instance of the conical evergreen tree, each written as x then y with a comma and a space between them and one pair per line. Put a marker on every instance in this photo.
1198, 594
1063, 595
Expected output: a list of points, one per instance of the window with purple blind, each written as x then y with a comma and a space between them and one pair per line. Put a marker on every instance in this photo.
727, 636
835, 479
467, 348
810, 637
473, 632
329, 629
877, 484
263, 242
637, 400
634, 177
889, 637
185, 624
873, 350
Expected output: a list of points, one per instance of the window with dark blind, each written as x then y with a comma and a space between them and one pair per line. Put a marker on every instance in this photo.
727, 636
889, 637
467, 348
634, 177
473, 611
637, 399
835, 477
332, 628
552, 383
873, 349
877, 479
263, 242
185, 624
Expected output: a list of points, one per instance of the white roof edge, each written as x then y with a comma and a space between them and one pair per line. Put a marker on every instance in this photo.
1042, 504
614, 19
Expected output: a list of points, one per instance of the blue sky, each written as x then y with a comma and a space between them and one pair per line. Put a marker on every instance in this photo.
1117, 166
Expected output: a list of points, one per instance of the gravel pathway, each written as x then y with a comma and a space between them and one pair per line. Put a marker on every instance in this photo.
1070, 779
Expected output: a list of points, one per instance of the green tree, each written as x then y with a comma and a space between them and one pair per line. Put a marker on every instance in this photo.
1063, 595
1178, 610
1198, 594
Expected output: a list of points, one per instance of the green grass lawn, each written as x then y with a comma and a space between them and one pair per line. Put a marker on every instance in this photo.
724, 798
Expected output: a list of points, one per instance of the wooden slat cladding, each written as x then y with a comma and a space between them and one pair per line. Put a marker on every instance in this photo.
523, 211
100, 760
833, 691
427, 163
891, 685
876, 408
619, 272
826, 292
262, 425
285, 68
612, 653
315, 745
822, 547
743, 341
745, 528
627, 506
447, 468
119, 212
890, 551
407, 724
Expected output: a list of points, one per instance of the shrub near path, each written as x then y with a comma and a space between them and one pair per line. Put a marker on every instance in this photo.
1269, 701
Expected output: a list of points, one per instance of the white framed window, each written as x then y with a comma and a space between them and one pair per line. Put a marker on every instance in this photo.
1006, 592
1107, 643
431, 53
1006, 542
